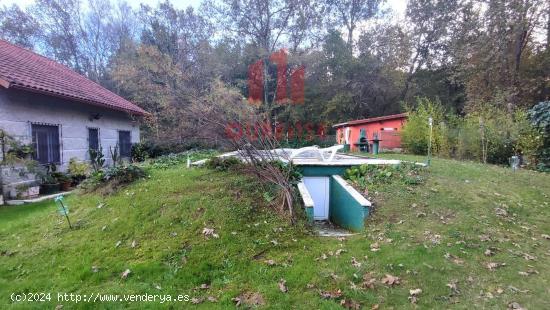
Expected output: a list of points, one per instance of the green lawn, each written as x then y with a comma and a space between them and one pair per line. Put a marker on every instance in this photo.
432, 236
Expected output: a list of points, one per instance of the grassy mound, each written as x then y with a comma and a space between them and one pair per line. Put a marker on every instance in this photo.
469, 236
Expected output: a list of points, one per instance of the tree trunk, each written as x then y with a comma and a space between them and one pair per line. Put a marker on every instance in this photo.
548, 30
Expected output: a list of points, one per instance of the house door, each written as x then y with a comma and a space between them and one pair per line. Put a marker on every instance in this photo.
319, 190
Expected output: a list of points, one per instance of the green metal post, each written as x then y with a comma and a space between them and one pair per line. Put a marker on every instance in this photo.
430, 122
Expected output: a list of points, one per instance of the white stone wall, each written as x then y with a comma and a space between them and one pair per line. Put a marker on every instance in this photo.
18, 110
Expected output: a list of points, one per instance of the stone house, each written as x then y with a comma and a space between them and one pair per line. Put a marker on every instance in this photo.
59, 112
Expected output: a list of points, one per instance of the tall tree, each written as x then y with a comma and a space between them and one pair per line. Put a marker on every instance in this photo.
430, 24
350, 13
18, 27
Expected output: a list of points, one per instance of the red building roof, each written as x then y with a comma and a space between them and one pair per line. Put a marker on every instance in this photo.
26, 70
372, 120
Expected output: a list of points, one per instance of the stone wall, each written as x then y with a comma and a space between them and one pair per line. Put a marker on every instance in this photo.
15, 179
19, 110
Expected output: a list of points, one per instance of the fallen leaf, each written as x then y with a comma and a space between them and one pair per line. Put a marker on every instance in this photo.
270, 262
330, 294
339, 251
413, 295
454, 259
209, 232
95, 269
125, 274
515, 306
196, 300
528, 272
212, 299
391, 280
493, 266
249, 299
350, 304
355, 263
134, 244
415, 292
118, 244
310, 286
237, 301
484, 238
528, 256
282, 286
453, 285
489, 252
517, 290
375, 247
420, 214
368, 281
204, 286
501, 212
375, 307
545, 236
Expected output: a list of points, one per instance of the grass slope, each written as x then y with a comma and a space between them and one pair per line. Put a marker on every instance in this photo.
429, 236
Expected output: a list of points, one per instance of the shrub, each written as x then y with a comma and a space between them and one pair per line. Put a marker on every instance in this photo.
489, 134
139, 152
539, 116
223, 163
111, 178
97, 160
365, 176
416, 131
124, 174
78, 170
492, 135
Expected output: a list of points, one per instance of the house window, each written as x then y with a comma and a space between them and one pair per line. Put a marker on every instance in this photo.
93, 138
124, 143
45, 139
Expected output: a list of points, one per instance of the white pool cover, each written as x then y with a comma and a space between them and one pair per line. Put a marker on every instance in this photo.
311, 156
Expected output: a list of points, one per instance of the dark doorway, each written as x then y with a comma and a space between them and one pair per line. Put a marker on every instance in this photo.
93, 139
45, 139
124, 144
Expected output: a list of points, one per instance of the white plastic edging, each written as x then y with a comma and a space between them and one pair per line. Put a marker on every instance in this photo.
17, 202
306, 197
352, 191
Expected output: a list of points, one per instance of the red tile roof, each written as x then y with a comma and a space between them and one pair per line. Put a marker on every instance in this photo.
26, 70
372, 120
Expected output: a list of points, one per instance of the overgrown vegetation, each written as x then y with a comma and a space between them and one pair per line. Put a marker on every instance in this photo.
540, 117
110, 179
170, 160
489, 135
371, 177
223, 163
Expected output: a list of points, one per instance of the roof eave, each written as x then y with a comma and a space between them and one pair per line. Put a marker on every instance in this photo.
4, 83
45, 92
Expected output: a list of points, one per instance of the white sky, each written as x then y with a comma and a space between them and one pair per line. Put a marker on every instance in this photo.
397, 5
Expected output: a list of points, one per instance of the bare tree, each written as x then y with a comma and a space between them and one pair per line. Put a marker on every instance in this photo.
352, 12
224, 114
17, 26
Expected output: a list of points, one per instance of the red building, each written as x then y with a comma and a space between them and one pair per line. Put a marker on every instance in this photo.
361, 133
